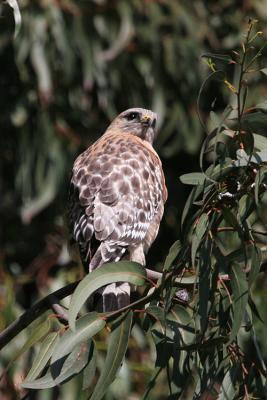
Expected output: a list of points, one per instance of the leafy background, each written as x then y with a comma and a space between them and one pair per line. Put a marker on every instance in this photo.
70, 69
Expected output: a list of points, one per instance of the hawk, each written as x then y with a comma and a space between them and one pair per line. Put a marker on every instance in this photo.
116, 199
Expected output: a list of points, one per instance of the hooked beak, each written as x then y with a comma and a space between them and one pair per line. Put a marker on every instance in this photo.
146, 121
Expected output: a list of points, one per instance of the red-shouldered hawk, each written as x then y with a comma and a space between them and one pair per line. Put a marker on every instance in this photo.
117, 197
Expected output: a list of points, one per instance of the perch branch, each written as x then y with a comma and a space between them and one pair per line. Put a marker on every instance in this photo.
34, 312
49, 302
60, 311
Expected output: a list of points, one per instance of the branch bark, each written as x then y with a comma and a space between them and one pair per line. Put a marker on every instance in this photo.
34, 312
48, 302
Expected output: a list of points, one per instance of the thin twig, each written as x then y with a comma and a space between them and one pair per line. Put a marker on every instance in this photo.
60, 311
153, 274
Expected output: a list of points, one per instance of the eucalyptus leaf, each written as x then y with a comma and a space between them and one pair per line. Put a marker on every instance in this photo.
124, 271
117, 346
90, 369
86, 328
193, 178
264, 71
229, 388
190, 200
17, 15
44, 382
37, 334
198, 233
255, 265
64, 369
255, 122
43, 356
173, 253
260, 142
204, 283
239, 287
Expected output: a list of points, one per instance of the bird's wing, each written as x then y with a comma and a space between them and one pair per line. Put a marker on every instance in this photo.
116, 192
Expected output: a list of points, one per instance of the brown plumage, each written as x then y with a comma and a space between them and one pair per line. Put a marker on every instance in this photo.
117, 197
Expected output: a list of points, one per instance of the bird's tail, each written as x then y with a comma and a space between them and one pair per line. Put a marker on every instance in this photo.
114, 296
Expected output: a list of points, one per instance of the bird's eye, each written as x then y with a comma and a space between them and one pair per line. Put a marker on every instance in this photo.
131, 116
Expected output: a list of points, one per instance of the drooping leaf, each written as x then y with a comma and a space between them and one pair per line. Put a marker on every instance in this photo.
225, 58
185, 322
264, 71
193, 178
173, 252
17, 15
204, 282
229, 387
64, 369
187, 279
255, 265
124, 271
86, 328
43, 356
164, 346
44, 382
157, 313
239, 287
190, 200
260, 142
255, 122
90, 369
39, 332
117, 346
199, 231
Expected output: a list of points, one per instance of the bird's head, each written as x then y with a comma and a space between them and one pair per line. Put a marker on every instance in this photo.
137, 121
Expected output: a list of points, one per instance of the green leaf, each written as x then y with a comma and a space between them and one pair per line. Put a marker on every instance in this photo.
199, 231
44, 382
258, 179
264, 71
64, 369
260, 142
187, 279
255, 122
173, 253
158, 314
244, 206
180, 315
239, 287
255, 265
228, 388
43, 356
190, 200
17, 15
86, 327
117, 346
262, 156
204, 282
164, 346
124, 271
225, 58
231, 219
39, 332
193, 178
90, 370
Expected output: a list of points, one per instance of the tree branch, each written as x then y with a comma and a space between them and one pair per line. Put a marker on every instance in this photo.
48, 302
34, 312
